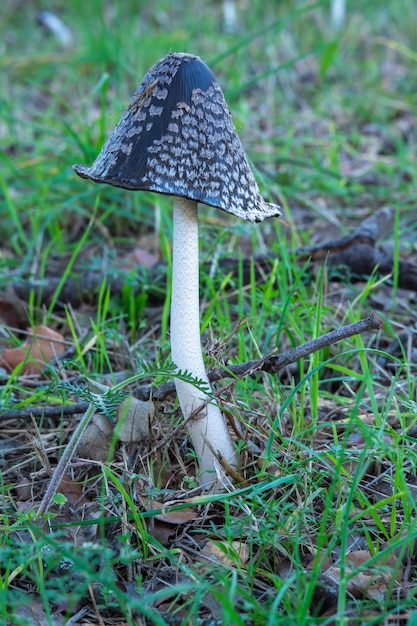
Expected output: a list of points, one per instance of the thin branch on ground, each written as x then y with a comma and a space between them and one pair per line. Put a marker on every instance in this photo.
271, 364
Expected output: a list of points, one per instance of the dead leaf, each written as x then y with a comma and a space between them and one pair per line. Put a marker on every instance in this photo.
163, 525
372, 582
42, 345
95, 441
24, 490
73, 491
179, 516
33, 612
219, 551
161, 531
134, 417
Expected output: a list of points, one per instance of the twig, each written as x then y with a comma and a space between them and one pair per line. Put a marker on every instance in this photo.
64, 462
270, 364
47, 411
273, 364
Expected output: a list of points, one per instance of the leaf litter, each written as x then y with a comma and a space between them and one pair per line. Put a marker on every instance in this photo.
154, 508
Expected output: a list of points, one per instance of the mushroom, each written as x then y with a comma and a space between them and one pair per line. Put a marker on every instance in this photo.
177, 138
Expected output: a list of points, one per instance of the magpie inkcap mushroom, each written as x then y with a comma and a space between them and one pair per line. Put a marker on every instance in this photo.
177, 138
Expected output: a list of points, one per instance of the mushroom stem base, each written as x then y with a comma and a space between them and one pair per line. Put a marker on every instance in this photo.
208, 430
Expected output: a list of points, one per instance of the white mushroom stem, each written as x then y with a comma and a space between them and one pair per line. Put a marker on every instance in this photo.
208, 429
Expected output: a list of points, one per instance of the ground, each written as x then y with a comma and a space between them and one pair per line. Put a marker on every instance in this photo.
317, 524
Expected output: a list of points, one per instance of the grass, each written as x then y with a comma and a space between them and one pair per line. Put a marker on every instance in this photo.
320, 527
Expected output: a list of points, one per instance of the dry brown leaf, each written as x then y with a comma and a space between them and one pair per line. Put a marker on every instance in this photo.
42, 345
163, 525
161, 531
372, 582
180, 516
95, 441
24, 490
33, 612
134, 418
309, 561
215, 551
73, 491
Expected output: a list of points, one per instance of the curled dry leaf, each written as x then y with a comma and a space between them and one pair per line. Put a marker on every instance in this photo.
221, 551
163, 526
42, 345
72, 490
372, 582
24, 490
133, 426
95, 441
33, 612
179, 516
134, 417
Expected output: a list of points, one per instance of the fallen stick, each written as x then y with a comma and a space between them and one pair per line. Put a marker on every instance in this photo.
271, 364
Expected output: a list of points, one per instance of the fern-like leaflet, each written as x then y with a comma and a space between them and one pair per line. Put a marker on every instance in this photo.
106, 402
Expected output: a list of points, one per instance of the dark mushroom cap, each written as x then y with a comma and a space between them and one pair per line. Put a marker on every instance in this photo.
177, 137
